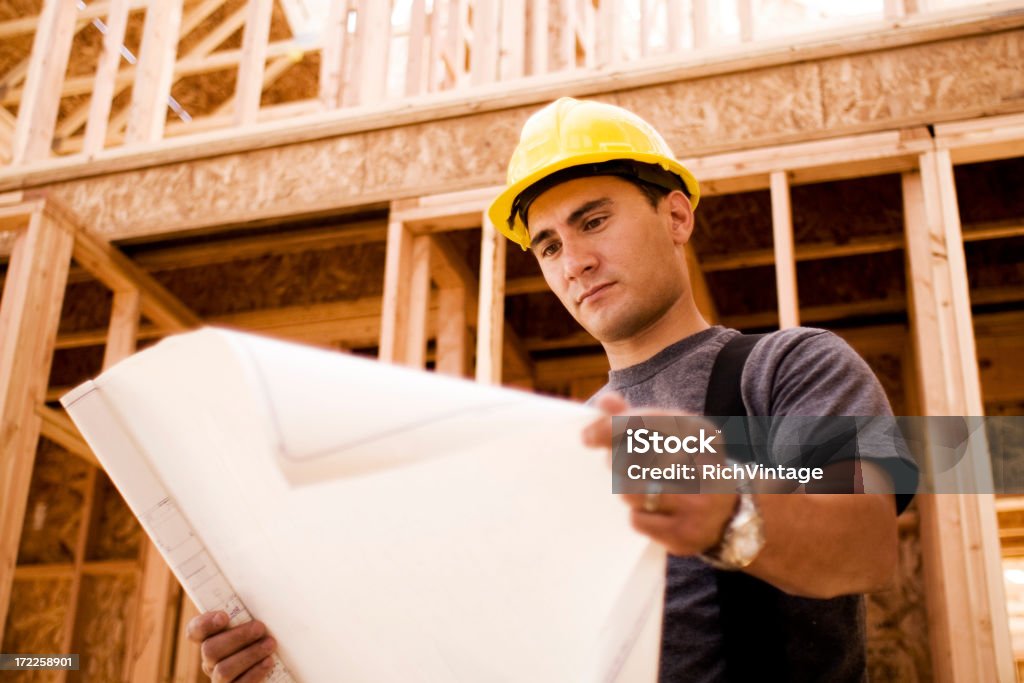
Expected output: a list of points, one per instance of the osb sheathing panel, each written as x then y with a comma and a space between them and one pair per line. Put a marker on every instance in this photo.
35, 623
53, 515
789, 102
104, 606
979, 73
897, 626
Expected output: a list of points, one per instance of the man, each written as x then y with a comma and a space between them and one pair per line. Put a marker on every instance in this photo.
761, 586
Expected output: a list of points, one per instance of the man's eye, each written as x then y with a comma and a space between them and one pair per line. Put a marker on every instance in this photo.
550, 249
594, 223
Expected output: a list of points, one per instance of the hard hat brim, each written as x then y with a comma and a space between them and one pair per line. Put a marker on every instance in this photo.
501, 207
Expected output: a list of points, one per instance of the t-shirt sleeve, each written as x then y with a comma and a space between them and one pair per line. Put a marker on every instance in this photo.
805, 372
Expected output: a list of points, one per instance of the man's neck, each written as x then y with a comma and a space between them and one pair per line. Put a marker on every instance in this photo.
679, 322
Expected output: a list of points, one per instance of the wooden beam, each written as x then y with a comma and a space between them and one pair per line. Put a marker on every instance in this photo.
7, 125
785, 264
567, 34
451, 271
539, 16
56, 426
29, 314
453, 333
674, 25
332, 56
106, 71
254, 59
701, 24
154, 73
417, 62
702, 295
745, 9
491, 309
37, 113
110, 266
966, 603
373, 36
418, 304
395, 310
486, 42
513, 41
123, 77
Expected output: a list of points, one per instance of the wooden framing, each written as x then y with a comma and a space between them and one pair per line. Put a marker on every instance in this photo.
957, 533
37, 113
154, 73
29, 313
968, 627
785, 263
106, 72
254, 57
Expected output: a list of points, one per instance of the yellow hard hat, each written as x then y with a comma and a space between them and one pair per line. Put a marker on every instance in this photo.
569, 133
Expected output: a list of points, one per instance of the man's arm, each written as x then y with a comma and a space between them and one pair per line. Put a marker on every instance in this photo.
816, 545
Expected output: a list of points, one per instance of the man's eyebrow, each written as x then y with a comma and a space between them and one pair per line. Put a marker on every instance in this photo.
586, 208
540, 237
575, 217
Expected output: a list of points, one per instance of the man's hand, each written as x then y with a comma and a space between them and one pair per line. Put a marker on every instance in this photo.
685, 524
240, 654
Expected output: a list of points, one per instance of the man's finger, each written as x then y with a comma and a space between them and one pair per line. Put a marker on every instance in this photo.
233, 667
258, 672
611, 403
221, 646
205, 625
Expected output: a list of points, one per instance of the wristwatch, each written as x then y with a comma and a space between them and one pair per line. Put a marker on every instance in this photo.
742, 539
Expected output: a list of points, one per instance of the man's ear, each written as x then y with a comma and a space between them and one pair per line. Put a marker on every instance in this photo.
681, 216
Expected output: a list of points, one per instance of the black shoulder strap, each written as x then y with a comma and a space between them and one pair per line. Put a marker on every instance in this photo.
724, 396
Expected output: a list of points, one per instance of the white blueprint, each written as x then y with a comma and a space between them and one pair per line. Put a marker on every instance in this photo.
387, 524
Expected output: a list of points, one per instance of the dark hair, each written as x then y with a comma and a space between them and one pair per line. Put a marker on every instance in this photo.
652, 180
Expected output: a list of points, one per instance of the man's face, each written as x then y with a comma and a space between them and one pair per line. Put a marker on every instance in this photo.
614, 261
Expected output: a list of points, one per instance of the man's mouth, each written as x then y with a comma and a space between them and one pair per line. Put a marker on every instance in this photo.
592, 291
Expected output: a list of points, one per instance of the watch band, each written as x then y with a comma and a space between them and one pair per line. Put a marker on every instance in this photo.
742, 539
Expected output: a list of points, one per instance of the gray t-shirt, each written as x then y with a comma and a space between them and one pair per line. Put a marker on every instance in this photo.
799, 371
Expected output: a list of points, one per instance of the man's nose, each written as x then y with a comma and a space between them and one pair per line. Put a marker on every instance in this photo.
577, 260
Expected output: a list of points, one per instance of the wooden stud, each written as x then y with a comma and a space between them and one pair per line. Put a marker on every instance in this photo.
106, 72
435, 63
418, 303
417, 63
253, 62
567, 35
785, 264
37, 113
29, 313
7, 125
455, 48
648, 9
373, 37
486, 42
154, 72
701, 292
491, 310
122, 77
894, 9
332, 64
968, 627
58, 428
109, 265
674, 25
701, 24
513, 47
187, 659
539, 14
394, 309
746, 16
452, 333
